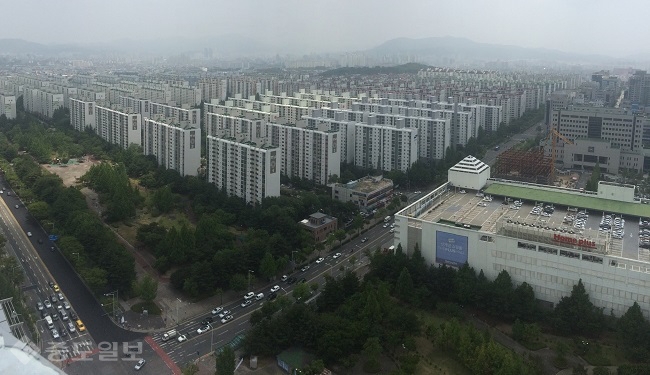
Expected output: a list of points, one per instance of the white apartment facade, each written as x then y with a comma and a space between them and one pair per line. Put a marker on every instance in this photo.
82, 115
175, 145
308, 152
118, 126
385, 148
244, 169
8, 105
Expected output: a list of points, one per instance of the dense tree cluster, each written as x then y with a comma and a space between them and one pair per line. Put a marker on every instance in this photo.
348, 318
90, 246
477, 351
112, 184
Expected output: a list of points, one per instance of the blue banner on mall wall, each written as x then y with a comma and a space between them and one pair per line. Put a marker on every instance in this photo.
451, 249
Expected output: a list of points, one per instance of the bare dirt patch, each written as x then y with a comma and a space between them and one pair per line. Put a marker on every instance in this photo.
69, 173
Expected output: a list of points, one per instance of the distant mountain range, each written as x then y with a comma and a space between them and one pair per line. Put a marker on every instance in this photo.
234, 45
464, 49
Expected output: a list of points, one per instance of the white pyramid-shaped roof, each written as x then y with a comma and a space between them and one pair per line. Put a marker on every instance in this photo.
469, 164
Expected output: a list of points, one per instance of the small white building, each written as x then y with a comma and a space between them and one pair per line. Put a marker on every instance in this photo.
469, 173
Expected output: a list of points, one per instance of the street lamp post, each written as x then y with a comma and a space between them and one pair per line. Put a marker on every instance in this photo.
249, 279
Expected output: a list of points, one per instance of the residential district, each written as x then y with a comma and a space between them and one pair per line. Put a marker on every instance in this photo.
558, 204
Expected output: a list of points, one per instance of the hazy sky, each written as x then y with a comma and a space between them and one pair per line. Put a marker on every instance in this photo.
587, 26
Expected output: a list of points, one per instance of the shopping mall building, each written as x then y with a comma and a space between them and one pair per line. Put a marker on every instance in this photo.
549, 237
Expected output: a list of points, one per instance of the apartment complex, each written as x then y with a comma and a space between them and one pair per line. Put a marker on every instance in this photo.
43, 101
82, 115
176, 145
117, 126
7, 104
248, 170
307, 152
385, 148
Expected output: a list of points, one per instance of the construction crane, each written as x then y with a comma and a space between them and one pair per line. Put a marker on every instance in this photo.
553, 135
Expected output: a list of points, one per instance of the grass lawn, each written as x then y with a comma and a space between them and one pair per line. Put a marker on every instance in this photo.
129, 230
151, 307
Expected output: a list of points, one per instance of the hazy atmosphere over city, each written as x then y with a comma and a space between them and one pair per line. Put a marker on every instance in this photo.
333, 187
295, 26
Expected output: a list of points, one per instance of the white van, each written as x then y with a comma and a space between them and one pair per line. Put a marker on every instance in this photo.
259, 296
169, 334
50, 323
387, 219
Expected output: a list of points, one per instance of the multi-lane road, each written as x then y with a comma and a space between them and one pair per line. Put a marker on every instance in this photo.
43, 265
199, 344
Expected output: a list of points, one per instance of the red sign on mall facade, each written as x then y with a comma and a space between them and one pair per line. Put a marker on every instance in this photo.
574, 241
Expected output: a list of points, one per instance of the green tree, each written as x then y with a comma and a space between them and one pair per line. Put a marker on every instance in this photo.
404, 286
163, 199
633, 331
340, 235
225, 361
577, 315
95, 278
147, 288
39, 210
301, 291
268, 266
238, 282
372, 351
357, 223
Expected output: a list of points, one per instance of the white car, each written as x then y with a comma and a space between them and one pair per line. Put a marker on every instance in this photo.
66, 305
418, 192
284, 278
319, 260
140, 364
217, 310
386, 225
249, 295
392, 230
29, 234
203, 329
246, 303
364, 239
224, 313
226, 319
55, 333
39, 306
275, 288
47, 303
182, 338
305, 268
337, 255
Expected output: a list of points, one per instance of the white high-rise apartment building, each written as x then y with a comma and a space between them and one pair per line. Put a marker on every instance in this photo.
82, 115
8, 105
43, 100
244, 169
185, 95
308, 152
385, 148
235, 126
213, 88
118, 126
175, 145
345, 129
150, 109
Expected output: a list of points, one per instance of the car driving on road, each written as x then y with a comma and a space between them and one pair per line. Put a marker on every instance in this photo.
275, 288
320, 260
217, 310
305, 268
224, 313
203, 329
182, 338
140, 364
226, 319
246, 303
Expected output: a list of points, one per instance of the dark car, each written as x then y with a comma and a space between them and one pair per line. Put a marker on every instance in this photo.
40, 241
73, 316
291, 280
303, 280
272, 296
206, 321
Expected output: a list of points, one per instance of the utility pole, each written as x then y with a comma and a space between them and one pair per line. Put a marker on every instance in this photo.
113, 294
